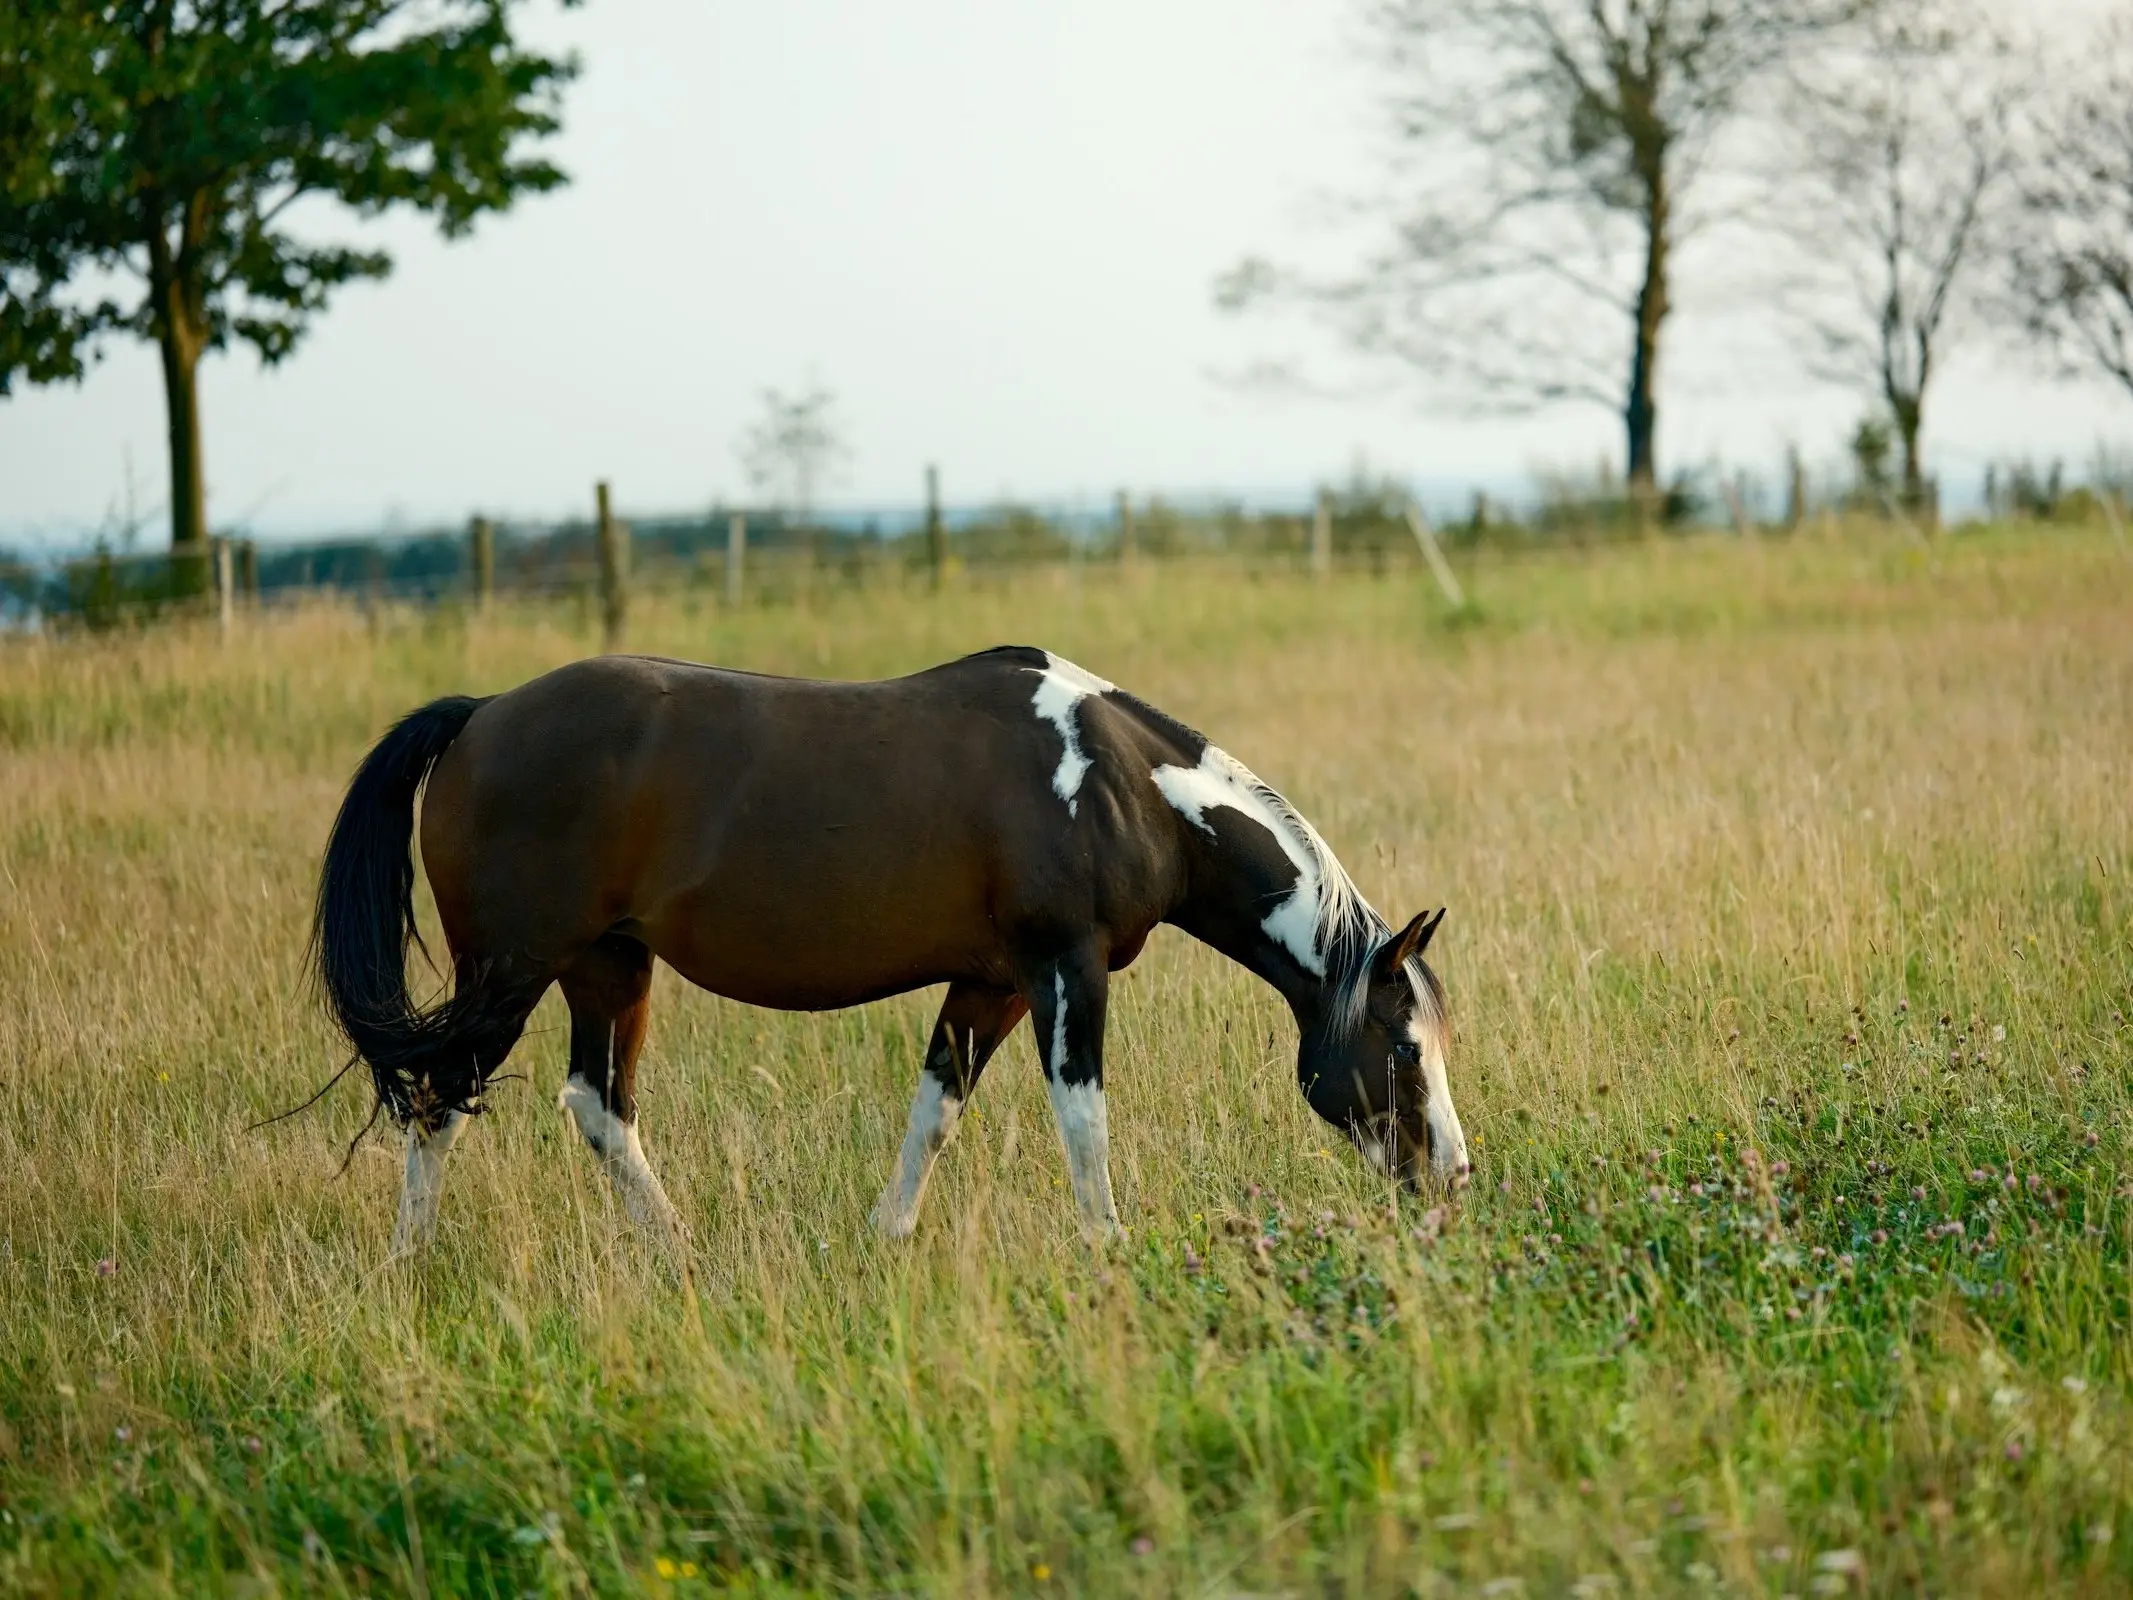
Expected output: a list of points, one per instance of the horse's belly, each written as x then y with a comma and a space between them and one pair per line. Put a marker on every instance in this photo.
815, 940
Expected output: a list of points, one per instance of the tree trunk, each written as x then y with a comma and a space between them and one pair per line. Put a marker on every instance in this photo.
188, 482
1642, 413
1910, 415
180, 336
1907, 405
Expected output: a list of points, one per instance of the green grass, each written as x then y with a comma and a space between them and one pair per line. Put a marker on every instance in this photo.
1789, 958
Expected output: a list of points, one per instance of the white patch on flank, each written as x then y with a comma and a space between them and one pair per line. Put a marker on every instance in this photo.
1061, 687
934, 1113
1447, 1140
1324, 902
423, 1182
616, 1143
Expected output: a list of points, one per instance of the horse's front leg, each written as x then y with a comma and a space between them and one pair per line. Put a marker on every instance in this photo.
1067, 1004
972, 1023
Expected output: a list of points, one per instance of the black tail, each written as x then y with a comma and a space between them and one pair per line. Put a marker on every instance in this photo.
425, 1063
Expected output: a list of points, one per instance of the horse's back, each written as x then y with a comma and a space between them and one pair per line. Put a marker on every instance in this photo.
789, 841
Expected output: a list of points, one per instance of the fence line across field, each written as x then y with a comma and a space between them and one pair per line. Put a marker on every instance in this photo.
760, 550
743, 554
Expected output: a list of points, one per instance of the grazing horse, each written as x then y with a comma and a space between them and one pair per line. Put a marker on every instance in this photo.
1006, 824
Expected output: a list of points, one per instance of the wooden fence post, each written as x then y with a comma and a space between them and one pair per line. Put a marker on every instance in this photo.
614, 570
248, 570
1795, 490
736, 555
1433, 553
1736, 491
192, 568
1125, 528
481, 560
2115, 521
936, 531
1322, 535
225, 587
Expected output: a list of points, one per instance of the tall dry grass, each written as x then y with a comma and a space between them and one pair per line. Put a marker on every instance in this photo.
1725, 833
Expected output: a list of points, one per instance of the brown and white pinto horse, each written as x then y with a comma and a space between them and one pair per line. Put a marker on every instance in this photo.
1007, 824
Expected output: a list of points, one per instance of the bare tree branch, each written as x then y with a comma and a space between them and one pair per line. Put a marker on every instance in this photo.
1547, 158
794, 448
1901, 143
2072, 277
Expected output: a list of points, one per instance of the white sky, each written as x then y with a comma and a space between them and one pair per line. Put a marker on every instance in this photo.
990, 228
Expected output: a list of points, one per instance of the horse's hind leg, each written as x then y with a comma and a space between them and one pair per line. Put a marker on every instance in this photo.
972, 1023
481, 1051
423, 1181
609, 989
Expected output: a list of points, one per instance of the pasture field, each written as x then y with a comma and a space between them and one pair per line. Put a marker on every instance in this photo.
1791, 888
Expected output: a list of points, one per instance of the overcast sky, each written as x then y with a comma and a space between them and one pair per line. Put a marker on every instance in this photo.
991, 229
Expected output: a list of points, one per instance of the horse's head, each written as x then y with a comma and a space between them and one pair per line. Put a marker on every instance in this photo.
1373, 1064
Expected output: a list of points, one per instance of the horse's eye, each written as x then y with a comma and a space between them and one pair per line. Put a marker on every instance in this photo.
1407, 1050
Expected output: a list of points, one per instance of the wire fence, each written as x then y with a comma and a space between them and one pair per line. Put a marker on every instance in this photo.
758, 556
745, 555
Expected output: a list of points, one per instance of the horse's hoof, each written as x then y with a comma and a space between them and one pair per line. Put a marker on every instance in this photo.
888, 1224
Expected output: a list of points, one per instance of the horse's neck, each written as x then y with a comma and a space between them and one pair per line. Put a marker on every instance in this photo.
1226, 908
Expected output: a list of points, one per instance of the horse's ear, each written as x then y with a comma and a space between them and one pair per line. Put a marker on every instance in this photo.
1409, 942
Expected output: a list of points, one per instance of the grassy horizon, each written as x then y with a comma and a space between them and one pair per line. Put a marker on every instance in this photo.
1788, 957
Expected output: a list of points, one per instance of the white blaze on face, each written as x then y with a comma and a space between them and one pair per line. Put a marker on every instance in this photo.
1061, 687
423, 1182
1447, 1141
1222, 780
621, 1152
934, 1114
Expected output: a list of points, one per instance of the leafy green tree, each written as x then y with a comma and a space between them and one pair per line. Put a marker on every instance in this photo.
155, 154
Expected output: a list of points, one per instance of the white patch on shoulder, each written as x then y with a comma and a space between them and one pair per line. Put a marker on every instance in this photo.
1061, 687
1222, 780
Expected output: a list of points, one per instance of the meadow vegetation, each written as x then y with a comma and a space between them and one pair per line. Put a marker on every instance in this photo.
1788, 953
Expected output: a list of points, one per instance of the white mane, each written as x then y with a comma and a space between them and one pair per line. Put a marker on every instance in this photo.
1323, 922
